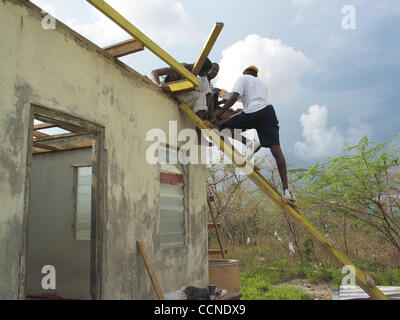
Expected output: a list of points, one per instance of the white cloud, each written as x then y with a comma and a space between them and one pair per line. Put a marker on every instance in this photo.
320, 140
280, 66
164, 21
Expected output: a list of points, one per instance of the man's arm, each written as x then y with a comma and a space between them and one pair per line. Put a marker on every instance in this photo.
156, 74
231, 101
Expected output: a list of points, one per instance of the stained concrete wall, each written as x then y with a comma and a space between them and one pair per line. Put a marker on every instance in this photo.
51, 238
61, 70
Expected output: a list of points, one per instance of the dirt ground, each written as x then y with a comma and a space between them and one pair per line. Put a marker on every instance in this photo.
316, 291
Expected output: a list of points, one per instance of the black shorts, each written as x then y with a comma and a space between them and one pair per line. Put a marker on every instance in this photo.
264, 121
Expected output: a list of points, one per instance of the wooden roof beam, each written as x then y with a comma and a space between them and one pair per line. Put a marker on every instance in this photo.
62, 125
124, 48
185, 85
43, 126
41, 148
38, 134
212, 38
45, 146
60, 136
115, 16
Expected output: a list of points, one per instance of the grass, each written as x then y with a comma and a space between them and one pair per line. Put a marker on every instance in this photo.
262, 273
259, 287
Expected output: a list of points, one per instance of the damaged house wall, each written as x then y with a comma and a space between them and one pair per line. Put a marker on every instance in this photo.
61, 70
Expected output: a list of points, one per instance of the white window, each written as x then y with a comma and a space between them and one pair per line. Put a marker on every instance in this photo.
173, 206
83, 202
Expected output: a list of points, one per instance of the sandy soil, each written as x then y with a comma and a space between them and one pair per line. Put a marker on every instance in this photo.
316, 291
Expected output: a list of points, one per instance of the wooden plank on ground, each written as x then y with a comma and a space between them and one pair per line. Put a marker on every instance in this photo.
150, 270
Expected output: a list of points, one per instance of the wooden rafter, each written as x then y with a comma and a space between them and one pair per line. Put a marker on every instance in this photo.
185, 85
60, 136
63, 125
124, 48
38, 134
207, 47
45, 146
41, 148
43, 126
115, 16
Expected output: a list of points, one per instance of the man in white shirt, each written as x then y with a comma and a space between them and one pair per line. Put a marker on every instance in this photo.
257, 114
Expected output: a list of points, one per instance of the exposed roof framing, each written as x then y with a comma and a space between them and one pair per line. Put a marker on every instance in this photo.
49, 142
191, 81
43, 126
39, 148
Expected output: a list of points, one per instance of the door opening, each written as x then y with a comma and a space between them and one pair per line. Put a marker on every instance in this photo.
63, 243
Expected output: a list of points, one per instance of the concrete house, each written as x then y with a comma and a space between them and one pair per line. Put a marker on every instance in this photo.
76, 190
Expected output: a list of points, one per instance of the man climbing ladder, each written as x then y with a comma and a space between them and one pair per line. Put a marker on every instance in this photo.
257, 114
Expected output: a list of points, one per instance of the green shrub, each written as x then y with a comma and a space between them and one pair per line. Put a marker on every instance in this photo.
387, 278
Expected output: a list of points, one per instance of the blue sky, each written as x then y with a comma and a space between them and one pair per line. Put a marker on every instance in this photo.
328, 85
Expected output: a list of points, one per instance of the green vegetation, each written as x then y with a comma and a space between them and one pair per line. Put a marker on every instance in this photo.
258, 288
353, 199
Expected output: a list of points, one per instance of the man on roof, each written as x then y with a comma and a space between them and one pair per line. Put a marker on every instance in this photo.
196, 99
257, 114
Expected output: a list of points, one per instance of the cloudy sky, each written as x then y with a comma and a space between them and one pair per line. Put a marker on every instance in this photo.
328, 84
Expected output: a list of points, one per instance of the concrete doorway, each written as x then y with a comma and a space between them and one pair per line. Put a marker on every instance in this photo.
62, 257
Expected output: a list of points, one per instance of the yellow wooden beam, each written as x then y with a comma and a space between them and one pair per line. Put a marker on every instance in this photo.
183, 86
363, 281
111, 13
207, 48
180, 86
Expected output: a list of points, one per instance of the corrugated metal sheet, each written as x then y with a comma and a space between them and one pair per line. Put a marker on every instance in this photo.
356, 293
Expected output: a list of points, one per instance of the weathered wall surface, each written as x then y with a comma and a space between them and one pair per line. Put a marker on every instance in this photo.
59, 69
51, 218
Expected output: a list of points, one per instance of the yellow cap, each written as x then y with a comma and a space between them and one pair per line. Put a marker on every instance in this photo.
253, 68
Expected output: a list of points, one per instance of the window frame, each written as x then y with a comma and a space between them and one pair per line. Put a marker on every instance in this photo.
185, 175
76, 168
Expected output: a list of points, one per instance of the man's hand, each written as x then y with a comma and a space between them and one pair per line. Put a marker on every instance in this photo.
217, 91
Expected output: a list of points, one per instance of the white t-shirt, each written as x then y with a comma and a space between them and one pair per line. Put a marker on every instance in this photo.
204, 86
253, 93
